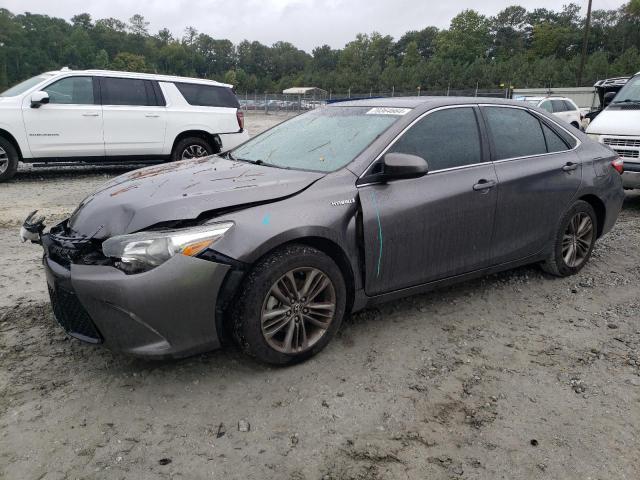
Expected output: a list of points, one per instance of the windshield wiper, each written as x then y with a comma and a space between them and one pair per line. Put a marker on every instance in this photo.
627, 100
230, 156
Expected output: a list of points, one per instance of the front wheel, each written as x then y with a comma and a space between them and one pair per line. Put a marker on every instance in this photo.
290, 306
8, 160
574, 242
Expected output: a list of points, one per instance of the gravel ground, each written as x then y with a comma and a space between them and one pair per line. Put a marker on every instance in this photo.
516, 375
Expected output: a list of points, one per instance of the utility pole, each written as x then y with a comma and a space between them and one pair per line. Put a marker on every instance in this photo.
585, 41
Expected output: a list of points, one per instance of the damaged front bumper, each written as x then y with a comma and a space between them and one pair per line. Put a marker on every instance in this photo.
169, 311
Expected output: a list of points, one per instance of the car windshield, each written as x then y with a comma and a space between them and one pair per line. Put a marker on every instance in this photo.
324, 139
630, 93
23, 86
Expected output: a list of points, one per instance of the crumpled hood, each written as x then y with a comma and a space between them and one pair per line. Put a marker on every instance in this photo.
181, 191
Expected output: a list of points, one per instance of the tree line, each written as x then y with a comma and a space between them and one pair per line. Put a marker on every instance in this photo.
517, 47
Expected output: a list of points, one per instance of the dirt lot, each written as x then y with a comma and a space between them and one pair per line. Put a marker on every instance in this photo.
517, 375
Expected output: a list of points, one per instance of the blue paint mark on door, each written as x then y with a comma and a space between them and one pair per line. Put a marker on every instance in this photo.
375, 204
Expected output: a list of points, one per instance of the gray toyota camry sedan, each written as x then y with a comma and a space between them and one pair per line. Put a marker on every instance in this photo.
346, 206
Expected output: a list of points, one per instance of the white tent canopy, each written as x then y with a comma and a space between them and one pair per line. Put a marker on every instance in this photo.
304, 91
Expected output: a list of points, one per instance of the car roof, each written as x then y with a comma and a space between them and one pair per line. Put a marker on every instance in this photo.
548, 97
425, 102
143, 76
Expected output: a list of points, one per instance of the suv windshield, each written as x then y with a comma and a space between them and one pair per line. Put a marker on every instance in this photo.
23, 86
324, 139
630, 93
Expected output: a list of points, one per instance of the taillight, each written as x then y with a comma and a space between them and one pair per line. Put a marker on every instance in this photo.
240, 117
618, 164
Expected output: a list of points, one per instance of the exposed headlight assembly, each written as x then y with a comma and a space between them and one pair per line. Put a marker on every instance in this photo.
143, 251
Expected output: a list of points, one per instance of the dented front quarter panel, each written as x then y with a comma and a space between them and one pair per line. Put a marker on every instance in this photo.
326, 211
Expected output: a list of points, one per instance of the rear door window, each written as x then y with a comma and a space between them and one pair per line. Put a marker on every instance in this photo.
127, 91
515, 132
208, 95
558, 106
445, 139
570, 107
546, 105
71, 91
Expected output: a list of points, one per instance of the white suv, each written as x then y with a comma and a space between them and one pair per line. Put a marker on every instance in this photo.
98, 116
561, 107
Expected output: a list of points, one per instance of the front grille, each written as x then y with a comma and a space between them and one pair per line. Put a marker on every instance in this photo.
622, 142
72, 316
65, 247
628, 153
63, 255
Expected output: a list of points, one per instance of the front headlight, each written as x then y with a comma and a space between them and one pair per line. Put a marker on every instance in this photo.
594, 136
145, 250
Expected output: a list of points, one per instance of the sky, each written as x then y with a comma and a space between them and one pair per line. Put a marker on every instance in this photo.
305, 23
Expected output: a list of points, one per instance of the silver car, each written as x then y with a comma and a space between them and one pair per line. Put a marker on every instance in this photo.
274, 242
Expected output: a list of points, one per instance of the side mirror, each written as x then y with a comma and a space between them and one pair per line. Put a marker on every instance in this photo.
38, 99
608, 97
403, 165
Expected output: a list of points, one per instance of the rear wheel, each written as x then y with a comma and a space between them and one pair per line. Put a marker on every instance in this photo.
191, 147
8, 160
574, 242
290, 305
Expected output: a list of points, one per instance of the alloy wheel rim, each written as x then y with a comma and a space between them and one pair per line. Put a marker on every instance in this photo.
577, 238
194, 151
298, 310
4, 160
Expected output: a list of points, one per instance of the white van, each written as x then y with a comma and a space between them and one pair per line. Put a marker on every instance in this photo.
98, 116
618, 126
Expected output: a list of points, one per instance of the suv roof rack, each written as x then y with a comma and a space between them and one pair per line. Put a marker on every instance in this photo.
610, 82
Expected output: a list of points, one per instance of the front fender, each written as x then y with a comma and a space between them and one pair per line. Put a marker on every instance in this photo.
308, 216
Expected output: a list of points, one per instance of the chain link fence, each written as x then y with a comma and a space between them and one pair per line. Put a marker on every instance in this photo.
278, 103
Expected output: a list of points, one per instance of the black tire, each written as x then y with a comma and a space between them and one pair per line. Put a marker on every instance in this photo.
248, 308
193, 144
556, 263
8, 160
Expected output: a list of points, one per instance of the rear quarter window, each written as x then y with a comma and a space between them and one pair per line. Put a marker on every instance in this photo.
208, 95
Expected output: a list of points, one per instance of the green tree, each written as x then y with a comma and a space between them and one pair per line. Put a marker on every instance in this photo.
102, 60
529, 48
138, 25
129, 62
82, 20
468, 37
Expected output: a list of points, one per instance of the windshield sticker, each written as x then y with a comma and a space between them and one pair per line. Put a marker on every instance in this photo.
388, 111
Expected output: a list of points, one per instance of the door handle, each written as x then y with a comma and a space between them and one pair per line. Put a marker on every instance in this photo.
484, 185
90, 114
570, 166
152, 115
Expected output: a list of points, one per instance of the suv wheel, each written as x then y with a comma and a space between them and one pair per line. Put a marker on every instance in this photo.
290, 306
574, 241
8, 160
191, 147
